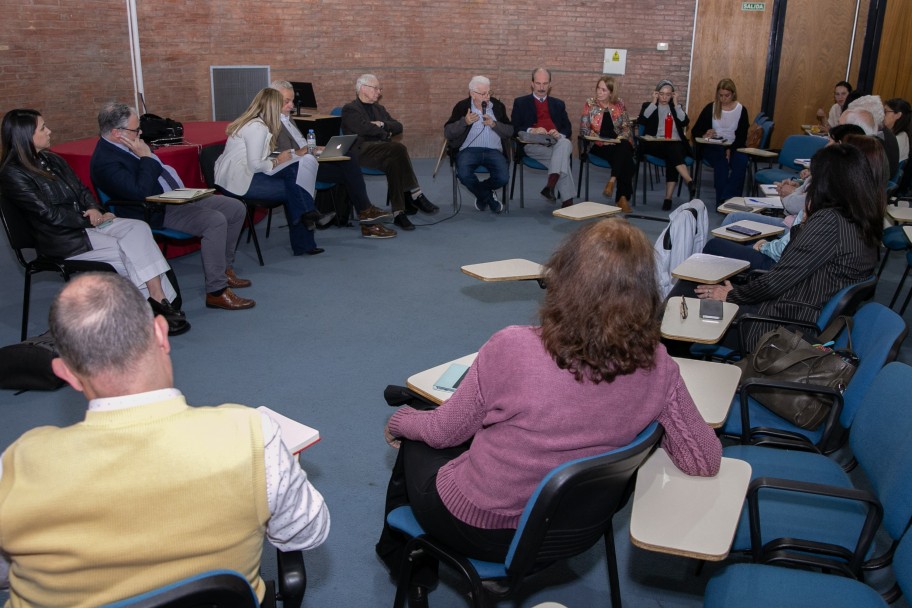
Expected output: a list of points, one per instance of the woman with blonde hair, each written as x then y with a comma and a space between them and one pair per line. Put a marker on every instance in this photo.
247, 168
607, 103
725, 119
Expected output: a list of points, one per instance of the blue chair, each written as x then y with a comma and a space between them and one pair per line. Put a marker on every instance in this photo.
162, 235
804, 509
795, 146
570, 510
480, 171
876, 336
896, 179
659, 163
893, 239
586, 159
521, 161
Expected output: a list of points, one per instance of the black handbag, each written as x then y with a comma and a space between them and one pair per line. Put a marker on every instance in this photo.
160, 131
785, 356
27, 365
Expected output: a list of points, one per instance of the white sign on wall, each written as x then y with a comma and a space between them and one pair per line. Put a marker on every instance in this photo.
615, 62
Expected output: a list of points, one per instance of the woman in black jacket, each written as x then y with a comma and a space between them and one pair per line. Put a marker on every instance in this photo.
66, 220
726, 120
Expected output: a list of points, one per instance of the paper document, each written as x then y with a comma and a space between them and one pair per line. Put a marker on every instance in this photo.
773, 202
185, 193
298, 437
769, 190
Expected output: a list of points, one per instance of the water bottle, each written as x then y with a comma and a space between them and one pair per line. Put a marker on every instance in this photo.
311, 141
668, 125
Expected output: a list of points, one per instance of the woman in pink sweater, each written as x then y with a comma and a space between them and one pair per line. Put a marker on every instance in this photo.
587, 381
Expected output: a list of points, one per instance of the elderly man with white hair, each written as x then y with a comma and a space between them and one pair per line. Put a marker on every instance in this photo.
376, 149
873, 106
478, 133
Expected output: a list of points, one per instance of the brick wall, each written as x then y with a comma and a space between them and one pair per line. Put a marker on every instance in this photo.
424, 52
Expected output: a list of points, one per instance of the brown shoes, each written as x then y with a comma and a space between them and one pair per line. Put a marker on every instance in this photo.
624, 205
373, 214
228, 300
609, 189
234, 282
377, 231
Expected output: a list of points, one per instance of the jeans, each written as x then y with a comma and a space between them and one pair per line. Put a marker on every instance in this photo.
471, 159
282, 187
728, 173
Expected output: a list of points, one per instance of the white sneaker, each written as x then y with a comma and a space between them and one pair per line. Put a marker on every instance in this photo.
496, 205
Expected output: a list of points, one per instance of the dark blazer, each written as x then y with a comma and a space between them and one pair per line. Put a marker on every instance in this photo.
456, 130
53, 207
123, 176
357, 121
825, 254
704, 124
524, 115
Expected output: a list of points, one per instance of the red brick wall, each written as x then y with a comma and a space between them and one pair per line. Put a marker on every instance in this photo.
424, 52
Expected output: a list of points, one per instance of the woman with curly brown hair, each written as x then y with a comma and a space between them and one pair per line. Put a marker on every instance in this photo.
587, 381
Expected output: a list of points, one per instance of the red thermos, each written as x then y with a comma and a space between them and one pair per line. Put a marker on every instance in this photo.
668, 126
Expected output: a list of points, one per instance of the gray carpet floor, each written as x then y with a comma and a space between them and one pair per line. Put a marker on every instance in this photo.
327, 335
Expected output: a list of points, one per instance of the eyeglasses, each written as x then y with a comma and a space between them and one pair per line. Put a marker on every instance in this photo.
488, 94
137, 131
889, 111
376, 88
683, 308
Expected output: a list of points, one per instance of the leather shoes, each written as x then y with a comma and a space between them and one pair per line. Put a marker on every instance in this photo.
177, 321
548, 193
425, 205
403, 221
228, 300
624, 205
234, 281
314, 251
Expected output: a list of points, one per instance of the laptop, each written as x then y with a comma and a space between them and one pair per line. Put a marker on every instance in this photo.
337, 147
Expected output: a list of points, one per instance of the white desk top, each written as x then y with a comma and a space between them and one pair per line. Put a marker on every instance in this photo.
765, 230
714, 142
711, 385
693, 328
708, 269
758, 152
903, 215
688, 516
615, 140
586, 211
516, 269
907, 230
737, 200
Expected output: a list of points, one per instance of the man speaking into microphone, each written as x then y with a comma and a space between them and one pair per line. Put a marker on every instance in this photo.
478, 133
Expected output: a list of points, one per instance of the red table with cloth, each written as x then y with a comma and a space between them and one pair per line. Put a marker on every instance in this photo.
184, 158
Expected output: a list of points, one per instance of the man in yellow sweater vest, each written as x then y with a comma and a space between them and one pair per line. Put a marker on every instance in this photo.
146, 490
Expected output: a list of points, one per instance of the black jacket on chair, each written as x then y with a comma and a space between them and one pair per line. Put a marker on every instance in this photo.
53, 206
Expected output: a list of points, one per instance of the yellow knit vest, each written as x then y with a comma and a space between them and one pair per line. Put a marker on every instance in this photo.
130, 500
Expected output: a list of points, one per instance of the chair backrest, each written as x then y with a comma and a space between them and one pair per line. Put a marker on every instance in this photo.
799, 146
902, 564
208, 156
215, 589
17, 228
767, 126
846, 301
880, 442
877, 333
337, 111
573, 506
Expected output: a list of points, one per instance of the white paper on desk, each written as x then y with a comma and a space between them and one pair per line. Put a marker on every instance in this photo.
183, 193
769, 190
771, 202
296, 436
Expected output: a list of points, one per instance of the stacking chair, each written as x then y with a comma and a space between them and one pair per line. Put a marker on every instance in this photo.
19, 233
521, 161
877, 334
893, 239
570, 510
163, 236
208, 156
481, 170
228, 589
804, 509
585, 160
795, 146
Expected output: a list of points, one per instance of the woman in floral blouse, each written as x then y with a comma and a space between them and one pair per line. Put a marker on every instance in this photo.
619, 155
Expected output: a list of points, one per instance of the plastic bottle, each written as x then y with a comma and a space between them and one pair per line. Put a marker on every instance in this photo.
668, 125
311, 141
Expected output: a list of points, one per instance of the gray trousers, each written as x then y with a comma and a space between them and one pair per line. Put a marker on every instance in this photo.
217, 220
557, 159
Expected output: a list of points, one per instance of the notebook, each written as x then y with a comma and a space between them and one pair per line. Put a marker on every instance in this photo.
337, 146
298, 437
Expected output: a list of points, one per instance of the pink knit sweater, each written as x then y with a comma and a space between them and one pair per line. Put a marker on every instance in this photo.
528, 416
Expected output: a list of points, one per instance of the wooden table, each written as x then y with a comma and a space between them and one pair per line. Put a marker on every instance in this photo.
687, 516
708, 269
693, 328
516, 269
765, 230
586, 211
903, 215
711, 385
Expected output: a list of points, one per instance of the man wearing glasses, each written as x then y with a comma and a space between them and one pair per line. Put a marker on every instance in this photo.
540, 114
477, 132
375, 129
124, 168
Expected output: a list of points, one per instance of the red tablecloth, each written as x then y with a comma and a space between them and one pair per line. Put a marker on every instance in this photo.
184, 158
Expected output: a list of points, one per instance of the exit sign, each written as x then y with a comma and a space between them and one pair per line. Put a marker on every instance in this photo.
753, 6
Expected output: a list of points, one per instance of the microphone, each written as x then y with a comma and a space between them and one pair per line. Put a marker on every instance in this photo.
484, 107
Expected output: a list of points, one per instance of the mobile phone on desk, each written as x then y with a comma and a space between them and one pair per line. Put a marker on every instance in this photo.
742, 230
711, 310
451, 378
